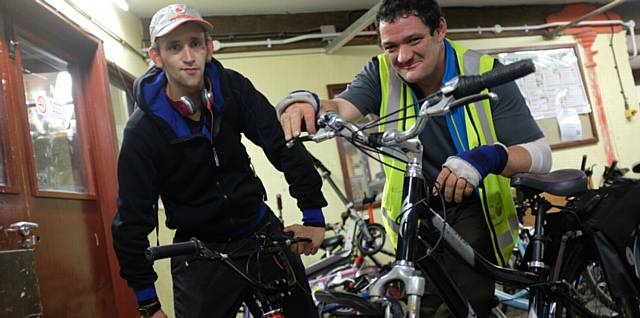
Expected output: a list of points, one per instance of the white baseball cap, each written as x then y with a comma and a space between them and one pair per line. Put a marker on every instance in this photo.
172, 16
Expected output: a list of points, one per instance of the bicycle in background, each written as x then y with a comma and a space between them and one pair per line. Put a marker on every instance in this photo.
356, 237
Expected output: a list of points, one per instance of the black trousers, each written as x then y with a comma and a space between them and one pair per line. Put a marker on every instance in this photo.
211, 289
468, 220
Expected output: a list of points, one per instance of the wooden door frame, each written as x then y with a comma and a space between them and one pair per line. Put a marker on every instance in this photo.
7, 128
99, 124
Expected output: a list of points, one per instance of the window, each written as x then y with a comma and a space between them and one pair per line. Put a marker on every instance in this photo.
120, 86
57, 150
120, 109
364, 175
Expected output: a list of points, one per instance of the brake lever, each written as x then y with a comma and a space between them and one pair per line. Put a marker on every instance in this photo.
293, 141
445, 105
321, 135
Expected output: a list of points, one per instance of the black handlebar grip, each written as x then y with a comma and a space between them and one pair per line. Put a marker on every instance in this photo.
583, 165
469, 85
279, 201
166, 251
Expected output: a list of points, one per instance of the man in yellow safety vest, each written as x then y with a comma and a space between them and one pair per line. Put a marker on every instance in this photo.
470, 152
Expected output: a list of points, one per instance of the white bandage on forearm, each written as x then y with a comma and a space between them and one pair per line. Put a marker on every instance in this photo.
462, 169
540, 154
297, 97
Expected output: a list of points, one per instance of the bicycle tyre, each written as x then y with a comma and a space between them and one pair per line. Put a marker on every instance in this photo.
581, 260
359, 306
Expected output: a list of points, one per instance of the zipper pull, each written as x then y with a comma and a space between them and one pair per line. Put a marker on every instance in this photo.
216, 161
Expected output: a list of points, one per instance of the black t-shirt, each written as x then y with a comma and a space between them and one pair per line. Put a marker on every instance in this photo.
511, 118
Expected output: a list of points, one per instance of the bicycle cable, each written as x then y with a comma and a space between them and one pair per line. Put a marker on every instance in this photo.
368, 150
431, 250
375, 122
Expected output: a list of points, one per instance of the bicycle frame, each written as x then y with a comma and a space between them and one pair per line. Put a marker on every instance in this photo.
404, 269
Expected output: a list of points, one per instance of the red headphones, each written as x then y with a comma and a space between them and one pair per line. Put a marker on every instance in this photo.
186, 107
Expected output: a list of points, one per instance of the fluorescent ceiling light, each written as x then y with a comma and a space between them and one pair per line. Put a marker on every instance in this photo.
122, 4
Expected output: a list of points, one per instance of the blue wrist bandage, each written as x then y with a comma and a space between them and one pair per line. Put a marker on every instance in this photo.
486, 159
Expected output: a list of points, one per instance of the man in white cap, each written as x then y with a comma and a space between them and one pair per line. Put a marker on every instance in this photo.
182, 144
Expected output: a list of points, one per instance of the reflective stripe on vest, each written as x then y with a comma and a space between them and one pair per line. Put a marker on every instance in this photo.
498, 208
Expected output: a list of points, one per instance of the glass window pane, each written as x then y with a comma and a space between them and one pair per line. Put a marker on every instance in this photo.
48, 87
119, 102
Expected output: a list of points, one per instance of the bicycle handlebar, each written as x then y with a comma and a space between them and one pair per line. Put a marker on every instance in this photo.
459, 91
469, 85
190, 247
195, 247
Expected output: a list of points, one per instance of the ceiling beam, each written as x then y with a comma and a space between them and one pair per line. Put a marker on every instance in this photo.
355, 28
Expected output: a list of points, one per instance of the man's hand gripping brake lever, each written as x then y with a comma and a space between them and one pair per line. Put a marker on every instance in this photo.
330, 125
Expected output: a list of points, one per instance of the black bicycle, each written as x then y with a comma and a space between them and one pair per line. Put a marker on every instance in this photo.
553, 276
267, 295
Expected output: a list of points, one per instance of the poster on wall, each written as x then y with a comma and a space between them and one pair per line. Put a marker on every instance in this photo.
557, 82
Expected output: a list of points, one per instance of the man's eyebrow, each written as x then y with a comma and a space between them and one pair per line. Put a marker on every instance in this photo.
406, 38
414, 35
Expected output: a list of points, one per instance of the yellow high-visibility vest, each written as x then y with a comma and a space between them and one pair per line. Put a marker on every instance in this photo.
494, 191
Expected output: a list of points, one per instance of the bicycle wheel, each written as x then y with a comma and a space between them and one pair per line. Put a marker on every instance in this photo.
584, 273
342, 304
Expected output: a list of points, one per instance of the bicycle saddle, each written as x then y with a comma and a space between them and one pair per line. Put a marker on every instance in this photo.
332, 242
563, 182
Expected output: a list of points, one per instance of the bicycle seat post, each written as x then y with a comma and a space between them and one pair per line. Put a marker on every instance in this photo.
539, 209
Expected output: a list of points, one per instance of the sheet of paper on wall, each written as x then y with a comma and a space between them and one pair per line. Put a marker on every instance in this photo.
569, 124
557, 71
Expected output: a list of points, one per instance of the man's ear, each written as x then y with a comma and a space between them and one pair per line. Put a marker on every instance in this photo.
154, 54
441, 31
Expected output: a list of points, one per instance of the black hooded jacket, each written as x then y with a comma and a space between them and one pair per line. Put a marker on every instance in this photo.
162, 157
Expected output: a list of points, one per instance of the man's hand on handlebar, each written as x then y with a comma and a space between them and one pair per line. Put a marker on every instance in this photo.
316, 234
293, 116
452, 187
